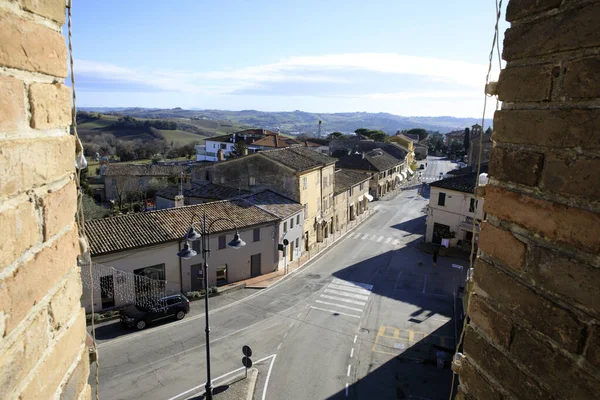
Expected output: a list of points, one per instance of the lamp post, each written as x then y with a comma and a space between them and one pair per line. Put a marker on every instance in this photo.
187, 253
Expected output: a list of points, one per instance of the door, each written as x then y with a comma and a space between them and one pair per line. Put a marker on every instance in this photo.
291, 251
255, 264
439, 231
107, 291
197, 275
306, 241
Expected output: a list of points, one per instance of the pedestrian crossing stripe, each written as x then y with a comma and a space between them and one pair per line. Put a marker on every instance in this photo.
351, 289
342, 297
374, 238
346, 294
366, 286
338, 305
360, 303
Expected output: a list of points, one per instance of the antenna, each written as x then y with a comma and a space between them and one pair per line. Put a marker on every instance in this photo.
319, 134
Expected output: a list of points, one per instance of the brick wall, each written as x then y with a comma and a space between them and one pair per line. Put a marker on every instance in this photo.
42, 324
534, 331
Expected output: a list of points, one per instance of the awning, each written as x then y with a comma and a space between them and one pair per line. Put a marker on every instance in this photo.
369, 197
410, 172
361, 198
399, 177
404, 174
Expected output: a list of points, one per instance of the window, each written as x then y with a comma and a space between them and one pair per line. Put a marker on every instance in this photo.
292, 223
298, 219
297, 243
222, 242
114, 182
256, 235
472, 205
196, 246
325, 181
251, 181
305, 210
442, 199
207, 175
223, 146
171, 301
285, 226
222, 274
362, 185
304, 183
324, 203
141, 182
153, 272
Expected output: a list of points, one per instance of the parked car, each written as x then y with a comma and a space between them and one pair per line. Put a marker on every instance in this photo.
422, 166
139, 317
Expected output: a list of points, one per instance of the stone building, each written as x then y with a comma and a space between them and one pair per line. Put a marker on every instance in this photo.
351, 196
474, 145
534, 329
43, 352
297, 172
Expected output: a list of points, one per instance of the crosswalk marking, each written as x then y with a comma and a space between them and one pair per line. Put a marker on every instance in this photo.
366, 286
388, 240
338, 305
366, 236
374, 238
360, 303
395, 242
380, 239
351, 289
335, 312
346, 294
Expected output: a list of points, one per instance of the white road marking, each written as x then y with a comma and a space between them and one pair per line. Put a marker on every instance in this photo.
335, 312
268, 376
285, 335
352, 352
346, 294
360, 303
388, 240
380, 239
299, 314
348, 373
366, 236
279, 347
292, 324
396, 241
338, 305
351, 289
346, 389
355, 336
351, 283
397, 280
226, 375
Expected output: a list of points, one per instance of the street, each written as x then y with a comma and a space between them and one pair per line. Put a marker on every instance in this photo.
435, 167
364, 320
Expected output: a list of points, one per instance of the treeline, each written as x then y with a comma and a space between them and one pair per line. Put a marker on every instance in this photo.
128, 122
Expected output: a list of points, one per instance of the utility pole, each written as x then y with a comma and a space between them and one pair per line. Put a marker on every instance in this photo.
319, 134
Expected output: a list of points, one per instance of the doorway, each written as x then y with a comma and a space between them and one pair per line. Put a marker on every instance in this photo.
440, 231
197, 275
255, 264
107, 291
292, 251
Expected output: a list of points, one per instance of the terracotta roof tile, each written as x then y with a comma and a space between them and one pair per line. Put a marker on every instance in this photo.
123, 169
274, 203
345, 179
298, 158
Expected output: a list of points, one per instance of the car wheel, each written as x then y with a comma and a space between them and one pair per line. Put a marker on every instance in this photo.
180, 314
141, 324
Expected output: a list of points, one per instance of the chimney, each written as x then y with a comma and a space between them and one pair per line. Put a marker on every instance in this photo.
220, 155
363, 155
233, 138
178, 201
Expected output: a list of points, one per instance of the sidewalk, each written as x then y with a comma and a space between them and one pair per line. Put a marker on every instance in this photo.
266, 280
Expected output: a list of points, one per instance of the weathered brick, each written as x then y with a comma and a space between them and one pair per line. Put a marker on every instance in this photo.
501, 367
31, 47
581, 78
529, 83
503, 245
20, 232
78, 379
59, 209
50, 105
496, 327
20, 358
517, 9
570, 279
477, 385
560, 128
572, 175
555, 221
55, 366
12, 105
28, 163
572, 29
559, 372
67, 301
32, 280
592, 354
53, 9
518, 166
543, 315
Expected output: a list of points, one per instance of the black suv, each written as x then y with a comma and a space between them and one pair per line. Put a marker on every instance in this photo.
167, 307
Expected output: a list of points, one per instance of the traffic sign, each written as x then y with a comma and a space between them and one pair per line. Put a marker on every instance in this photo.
247, 362
247, 351
286, 242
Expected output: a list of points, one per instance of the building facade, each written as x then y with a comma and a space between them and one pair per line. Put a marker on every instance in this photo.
351, 196
452, 209
486, 145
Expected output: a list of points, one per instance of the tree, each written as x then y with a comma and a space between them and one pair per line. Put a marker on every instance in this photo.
466, 139
488, 131
379, 136
362, 131
93, 211
418, 131
337, 135
239, 149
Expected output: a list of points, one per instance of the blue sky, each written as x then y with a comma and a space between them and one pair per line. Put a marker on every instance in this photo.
397, 56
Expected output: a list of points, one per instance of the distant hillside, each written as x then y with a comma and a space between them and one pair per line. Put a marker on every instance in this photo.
187, 130
300, 121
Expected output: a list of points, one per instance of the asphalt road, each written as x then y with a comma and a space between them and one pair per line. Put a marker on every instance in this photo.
356, 323
435, 167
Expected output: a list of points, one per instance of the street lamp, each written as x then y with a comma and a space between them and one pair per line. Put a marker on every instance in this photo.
187, 253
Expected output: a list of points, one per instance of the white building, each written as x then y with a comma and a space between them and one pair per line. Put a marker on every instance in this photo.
253, 139
452, 207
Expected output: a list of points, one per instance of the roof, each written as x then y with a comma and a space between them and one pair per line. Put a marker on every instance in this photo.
298, 158
345, 179
274, 203
310, 144
137, 230
462, 183
275, 141
456, 134
469, 169
122, 169
405, 137
374, 160
209, 191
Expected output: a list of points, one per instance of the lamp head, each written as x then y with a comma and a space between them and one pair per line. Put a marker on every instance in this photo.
186, 253
237, 241
192, 234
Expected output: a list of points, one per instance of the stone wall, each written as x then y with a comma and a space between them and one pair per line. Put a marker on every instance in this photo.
42, 324
534, 330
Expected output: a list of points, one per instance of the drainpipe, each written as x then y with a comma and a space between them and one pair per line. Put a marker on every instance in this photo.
180, 269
